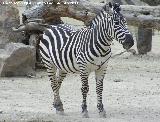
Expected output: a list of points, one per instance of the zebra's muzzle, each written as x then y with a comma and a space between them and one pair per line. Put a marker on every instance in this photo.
129, 42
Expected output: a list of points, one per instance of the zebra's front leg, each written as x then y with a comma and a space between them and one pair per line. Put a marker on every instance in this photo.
56, 77
99, 88
84, 90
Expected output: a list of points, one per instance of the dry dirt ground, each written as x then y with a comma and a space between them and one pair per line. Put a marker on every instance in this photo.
131, 92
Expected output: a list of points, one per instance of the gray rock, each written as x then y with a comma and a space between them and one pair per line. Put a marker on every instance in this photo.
17, 59
9, 17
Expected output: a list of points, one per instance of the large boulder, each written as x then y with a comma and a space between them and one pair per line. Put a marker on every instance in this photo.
17, 59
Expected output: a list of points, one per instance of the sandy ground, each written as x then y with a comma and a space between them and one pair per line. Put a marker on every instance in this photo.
131, 92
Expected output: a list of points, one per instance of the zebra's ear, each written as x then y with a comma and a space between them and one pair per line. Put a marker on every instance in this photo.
108, 8
116, 7
110, 4
105, 7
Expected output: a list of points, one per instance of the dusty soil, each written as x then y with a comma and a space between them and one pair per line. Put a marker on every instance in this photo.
131, 92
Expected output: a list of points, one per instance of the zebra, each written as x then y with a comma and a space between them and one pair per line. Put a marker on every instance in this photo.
64, 50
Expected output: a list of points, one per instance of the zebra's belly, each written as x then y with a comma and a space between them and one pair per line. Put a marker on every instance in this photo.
72, 66
67, 64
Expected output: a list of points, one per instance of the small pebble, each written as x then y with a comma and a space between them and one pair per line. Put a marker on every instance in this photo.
31, 76
118, 80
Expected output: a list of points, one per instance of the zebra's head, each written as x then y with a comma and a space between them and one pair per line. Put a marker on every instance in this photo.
118, 25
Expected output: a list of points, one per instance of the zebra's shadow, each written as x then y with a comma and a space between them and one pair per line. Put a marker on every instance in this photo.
124, 114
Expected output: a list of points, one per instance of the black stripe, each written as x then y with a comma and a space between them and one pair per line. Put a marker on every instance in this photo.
51, 39
70, 52
91, 43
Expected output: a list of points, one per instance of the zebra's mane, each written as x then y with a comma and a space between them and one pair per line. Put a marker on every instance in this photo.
99, 15
105, 9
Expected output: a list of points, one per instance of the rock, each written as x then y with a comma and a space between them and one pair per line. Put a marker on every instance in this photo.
9, 17
17, 59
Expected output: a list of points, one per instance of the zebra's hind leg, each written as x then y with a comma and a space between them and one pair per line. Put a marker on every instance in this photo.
56, 77
60, 75
84, 90
99, 88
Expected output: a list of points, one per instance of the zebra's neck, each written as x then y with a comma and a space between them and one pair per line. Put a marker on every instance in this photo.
96, 20
101, 21
102, 40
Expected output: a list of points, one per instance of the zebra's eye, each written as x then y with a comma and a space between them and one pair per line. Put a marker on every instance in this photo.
124, 21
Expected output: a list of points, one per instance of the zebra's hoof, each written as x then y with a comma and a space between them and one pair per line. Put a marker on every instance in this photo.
60, 112
102, 114
85, 114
